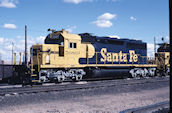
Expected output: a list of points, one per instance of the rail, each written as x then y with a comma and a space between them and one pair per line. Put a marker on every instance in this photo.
74, 86
162, 107
113, 60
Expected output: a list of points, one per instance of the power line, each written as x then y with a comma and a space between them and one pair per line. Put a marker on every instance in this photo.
30, 30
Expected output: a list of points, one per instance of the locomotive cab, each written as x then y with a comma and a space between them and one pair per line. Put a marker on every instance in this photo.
59, 46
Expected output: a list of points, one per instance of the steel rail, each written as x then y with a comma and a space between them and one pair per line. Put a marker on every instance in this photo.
74, 86
162, 107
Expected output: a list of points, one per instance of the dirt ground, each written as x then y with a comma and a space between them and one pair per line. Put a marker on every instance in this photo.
107, 103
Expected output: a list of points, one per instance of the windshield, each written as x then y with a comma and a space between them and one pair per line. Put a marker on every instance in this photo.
54, 39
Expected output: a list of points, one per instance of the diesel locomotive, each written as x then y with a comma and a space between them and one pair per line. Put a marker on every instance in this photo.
66, 56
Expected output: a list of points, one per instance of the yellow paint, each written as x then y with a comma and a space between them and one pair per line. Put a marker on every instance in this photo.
35, 80
133, 56
49, 53
33, 75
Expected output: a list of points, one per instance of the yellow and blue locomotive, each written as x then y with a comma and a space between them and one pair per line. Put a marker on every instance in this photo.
77, 56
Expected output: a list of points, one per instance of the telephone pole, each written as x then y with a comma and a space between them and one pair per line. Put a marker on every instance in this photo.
12, 53
154, 45
25, 44
0, 57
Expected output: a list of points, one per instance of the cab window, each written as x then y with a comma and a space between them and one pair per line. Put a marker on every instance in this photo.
72, 45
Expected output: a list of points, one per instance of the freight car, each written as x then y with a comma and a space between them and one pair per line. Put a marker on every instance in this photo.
79, 56
14, 74
5, 71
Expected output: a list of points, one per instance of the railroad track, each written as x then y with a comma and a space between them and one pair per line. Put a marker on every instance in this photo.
79, 85
162, 107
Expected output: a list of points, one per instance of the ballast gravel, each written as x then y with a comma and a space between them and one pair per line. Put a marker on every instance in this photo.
100, 100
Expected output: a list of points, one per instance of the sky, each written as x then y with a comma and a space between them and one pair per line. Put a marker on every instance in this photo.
132, 19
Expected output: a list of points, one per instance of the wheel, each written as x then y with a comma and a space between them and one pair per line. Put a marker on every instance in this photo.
60, 78
78, 78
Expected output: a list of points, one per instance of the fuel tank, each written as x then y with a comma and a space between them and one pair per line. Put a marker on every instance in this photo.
111, 72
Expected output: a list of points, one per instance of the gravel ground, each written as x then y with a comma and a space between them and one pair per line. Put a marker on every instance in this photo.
100, 100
